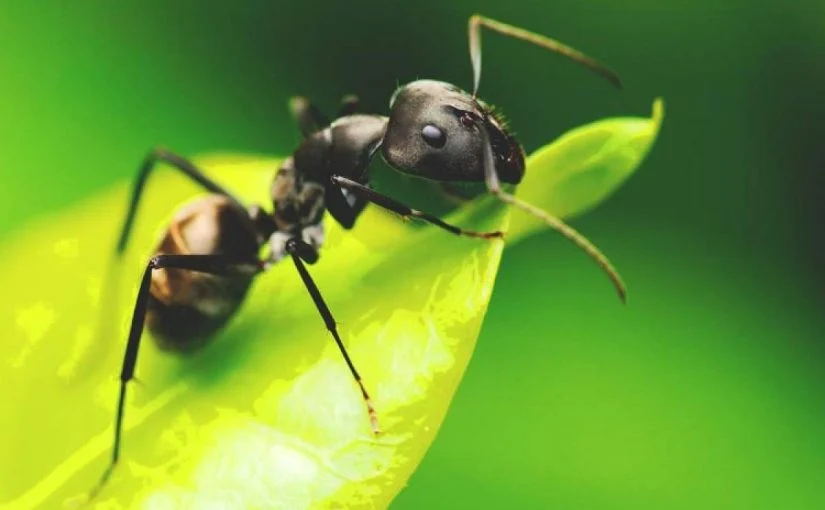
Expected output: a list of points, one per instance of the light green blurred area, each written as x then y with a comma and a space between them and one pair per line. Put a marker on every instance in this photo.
705, 391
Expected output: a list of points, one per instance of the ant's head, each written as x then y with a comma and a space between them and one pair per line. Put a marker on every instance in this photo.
438, 131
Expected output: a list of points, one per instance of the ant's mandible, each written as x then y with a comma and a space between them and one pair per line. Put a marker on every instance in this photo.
208, 257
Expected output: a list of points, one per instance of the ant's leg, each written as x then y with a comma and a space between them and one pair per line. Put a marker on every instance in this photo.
404, 210
343, 205
212, 264
477, 21
300, 250
177, 162
493, 185
349, 105
309, 118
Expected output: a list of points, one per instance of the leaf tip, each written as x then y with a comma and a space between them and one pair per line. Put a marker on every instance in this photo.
658, 113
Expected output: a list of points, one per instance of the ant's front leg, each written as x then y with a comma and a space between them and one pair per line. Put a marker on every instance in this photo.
406, 211
343, 205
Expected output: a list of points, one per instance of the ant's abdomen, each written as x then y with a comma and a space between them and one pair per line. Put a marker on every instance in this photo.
180, 328
186, 308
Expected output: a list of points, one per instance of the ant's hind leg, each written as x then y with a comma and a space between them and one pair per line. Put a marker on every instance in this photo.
211, 264
177, 162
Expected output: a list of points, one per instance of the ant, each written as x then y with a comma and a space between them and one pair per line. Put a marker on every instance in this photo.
208, 257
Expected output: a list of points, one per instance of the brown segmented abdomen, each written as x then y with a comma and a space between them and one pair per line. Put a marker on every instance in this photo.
186, 307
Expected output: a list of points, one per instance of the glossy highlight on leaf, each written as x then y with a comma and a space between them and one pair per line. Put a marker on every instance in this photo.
267, 415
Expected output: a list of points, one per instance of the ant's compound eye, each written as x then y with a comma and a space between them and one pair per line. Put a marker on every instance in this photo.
434, 136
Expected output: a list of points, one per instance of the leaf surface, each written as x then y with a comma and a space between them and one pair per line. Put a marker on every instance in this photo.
267, 415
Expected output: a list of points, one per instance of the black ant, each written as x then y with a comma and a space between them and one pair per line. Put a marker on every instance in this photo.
208, 257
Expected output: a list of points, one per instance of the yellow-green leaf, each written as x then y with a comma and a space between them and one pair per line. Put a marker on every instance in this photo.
267, 415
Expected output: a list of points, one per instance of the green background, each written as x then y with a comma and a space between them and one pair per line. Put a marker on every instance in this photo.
706, 391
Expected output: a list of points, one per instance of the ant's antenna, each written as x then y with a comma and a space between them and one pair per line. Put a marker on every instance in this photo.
493, 185
477, 21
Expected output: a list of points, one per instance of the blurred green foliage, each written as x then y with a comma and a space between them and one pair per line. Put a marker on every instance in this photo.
704, 392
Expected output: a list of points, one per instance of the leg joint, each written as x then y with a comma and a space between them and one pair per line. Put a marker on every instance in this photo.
299, 248
157, 261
